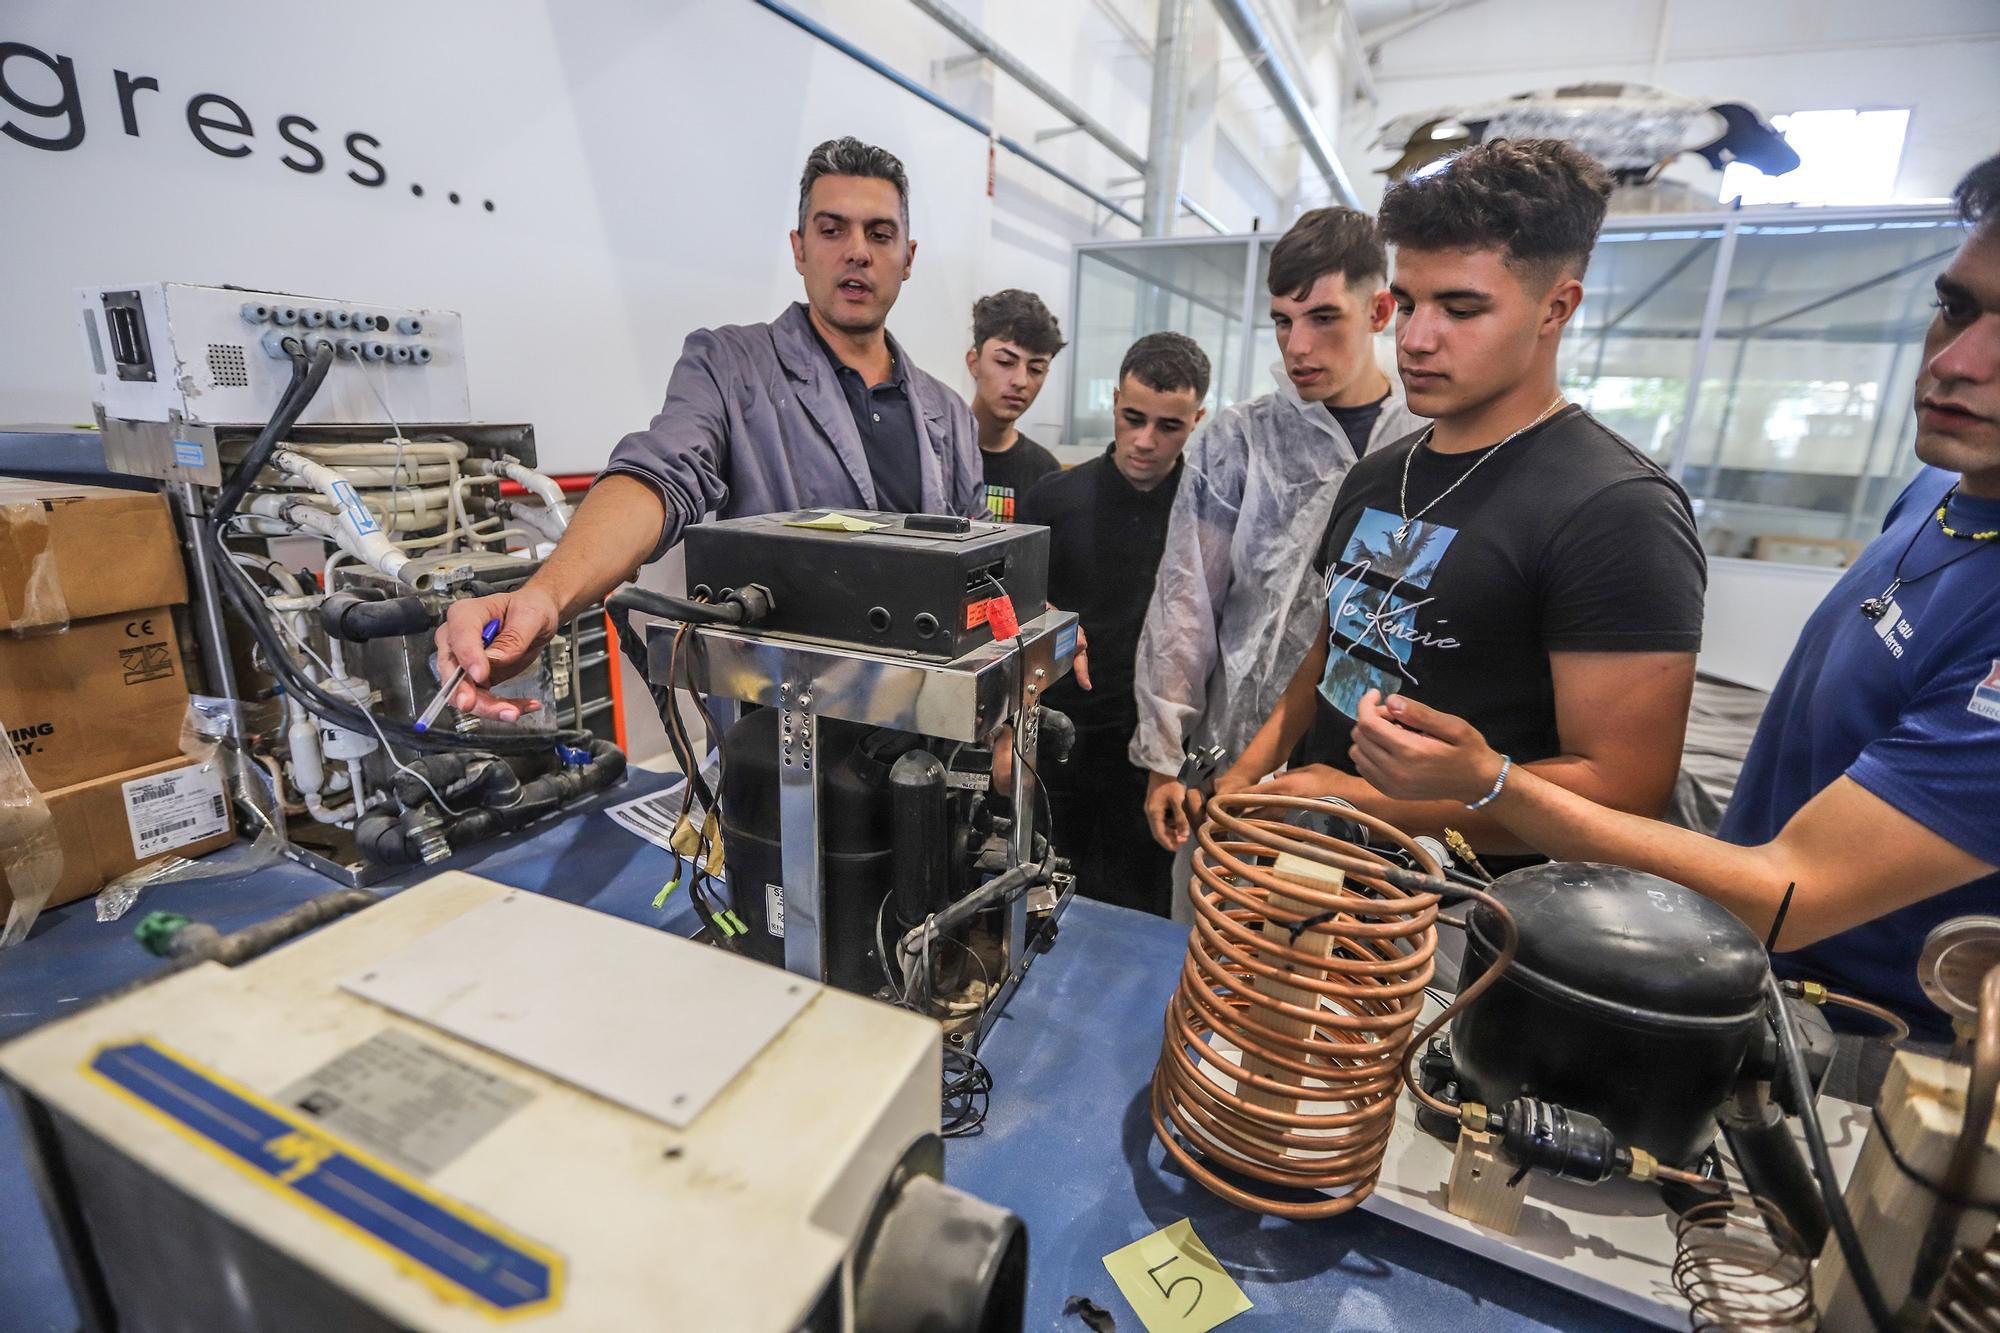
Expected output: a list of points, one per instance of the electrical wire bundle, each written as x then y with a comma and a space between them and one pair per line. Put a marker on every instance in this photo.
709, 894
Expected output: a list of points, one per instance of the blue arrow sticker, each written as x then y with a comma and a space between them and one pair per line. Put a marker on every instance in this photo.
461, 1254
357, 513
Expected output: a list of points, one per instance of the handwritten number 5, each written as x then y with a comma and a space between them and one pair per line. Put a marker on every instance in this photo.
1167, 1288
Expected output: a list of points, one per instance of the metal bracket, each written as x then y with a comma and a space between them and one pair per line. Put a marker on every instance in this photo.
804, 902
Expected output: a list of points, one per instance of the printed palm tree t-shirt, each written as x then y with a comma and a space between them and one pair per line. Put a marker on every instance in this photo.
1565, 539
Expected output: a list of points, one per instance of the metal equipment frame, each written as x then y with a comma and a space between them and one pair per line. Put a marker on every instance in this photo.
969, 699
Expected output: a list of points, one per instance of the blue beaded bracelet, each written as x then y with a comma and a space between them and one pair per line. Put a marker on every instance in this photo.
1506, 767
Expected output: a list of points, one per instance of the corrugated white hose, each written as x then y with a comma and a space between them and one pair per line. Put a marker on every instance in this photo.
420, 451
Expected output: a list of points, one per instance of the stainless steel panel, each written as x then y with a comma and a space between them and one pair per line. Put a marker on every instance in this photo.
960, 700
798, 823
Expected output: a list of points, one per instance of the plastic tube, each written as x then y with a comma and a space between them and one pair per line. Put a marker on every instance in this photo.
538, 484
356, 528
424, 450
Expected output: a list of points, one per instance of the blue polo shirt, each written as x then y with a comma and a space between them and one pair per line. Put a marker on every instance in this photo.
1908, 706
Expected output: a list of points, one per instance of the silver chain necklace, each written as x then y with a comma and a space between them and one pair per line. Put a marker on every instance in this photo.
1403, 493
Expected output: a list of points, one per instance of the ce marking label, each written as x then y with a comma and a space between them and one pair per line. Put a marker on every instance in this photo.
139, 629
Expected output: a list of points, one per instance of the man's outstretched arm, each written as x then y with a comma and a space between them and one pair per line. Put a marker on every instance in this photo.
1852, 855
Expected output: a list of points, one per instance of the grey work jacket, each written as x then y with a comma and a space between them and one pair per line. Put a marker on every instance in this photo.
755, 423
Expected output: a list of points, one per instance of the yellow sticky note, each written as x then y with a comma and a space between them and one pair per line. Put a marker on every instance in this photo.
1174, 1283
835, 521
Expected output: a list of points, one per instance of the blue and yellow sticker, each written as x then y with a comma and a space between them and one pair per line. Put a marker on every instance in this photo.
457, 1252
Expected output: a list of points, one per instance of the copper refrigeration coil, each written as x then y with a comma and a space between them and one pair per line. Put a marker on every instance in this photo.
1356, 1033
1740, 1265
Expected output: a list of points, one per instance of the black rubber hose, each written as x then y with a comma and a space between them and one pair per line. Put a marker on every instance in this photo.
1056, 732
387, 839
461, 776
1793, 1066
740, 606
1768, 1156
308, 372
359, 618
919, 835
248, 604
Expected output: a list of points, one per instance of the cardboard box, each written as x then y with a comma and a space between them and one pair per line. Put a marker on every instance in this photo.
72, 552
177, 807
103, 696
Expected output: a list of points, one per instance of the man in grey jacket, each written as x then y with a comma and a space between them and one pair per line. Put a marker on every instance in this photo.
819, 407
1236, 602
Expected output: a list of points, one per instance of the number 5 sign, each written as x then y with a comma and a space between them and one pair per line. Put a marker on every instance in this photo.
1174, 1283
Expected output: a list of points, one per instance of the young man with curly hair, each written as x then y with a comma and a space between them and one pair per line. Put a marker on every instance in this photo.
1868, 811
1517, 563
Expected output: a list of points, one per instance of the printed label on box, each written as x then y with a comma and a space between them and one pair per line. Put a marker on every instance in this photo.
774, 910
174, 809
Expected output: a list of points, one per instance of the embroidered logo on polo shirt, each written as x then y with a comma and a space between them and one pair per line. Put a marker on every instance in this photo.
1986, 695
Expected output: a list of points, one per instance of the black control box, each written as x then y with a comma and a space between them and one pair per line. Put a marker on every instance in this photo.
918, 583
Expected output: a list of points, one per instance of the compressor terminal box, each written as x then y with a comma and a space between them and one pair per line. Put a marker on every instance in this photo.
914, 583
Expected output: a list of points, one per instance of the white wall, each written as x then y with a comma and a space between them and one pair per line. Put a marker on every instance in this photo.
642, 157
1937, 57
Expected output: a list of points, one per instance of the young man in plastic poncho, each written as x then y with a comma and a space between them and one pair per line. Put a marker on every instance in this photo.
1236, 603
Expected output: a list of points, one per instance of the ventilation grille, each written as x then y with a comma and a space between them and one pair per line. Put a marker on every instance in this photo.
226, 368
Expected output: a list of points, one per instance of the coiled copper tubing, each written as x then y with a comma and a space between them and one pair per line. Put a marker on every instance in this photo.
1291, 1025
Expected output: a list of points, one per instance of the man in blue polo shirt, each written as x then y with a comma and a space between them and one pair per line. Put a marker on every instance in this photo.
1873, 784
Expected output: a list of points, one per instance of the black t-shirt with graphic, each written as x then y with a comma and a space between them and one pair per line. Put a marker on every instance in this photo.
1566, 539
1012, 474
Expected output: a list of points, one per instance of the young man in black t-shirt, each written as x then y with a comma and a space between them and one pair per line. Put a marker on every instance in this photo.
1517, 564
1107, 522
1014, 340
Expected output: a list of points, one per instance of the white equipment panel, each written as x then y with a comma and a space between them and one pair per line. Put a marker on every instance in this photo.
261, 1147
205, 356
559, 990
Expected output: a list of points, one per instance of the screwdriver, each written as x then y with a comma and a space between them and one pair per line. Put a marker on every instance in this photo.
452, 682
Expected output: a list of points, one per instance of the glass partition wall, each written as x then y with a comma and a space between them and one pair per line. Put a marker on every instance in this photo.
1765, 357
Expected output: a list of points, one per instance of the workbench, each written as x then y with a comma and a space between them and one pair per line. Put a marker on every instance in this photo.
1067, 1142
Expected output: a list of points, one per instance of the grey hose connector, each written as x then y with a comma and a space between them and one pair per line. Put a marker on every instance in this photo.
943, 1261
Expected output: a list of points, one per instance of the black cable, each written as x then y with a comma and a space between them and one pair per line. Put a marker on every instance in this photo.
1794, 1067
248, 604
676, 724
1969, 1202
968, 1086
307, 374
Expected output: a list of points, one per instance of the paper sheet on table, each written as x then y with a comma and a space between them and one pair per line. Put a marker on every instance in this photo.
835, 521
1174, 1283
653, 817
